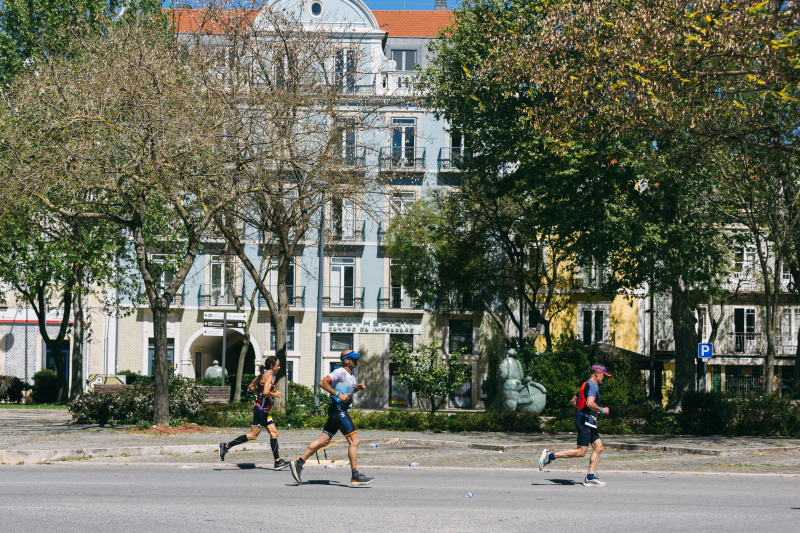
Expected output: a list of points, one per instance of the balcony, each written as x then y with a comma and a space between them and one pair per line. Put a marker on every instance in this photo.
401, 159
216, 296
395, 299
178, 301
343, 297
350, 157
296, 294
348, 230
450, 159
456, 302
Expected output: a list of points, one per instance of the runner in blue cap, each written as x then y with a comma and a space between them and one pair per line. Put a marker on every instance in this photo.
341, 384
586, 401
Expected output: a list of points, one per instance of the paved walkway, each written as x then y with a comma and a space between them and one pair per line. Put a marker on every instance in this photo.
38, 436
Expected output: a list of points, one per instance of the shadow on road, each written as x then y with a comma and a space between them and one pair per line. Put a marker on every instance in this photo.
558, 482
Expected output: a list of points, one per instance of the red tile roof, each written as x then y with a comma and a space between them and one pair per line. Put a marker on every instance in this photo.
395, 23
191, 20
412, 23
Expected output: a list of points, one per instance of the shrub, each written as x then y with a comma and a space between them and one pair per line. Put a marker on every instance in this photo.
714, 413
563, 369
300, 405
705, 413
11, 389
133, 378
45, 386
135, 405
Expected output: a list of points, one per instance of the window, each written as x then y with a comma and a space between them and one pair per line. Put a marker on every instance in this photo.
398, 297
290, 371
346, 140
151, 348
334, 365
406, 339
790, 323
289, 334
405, 59
461, 398
460, 336
220, 290
341, 341
163, 276
744, 329
343, 219
404, 141
787, 283
399, 396
401, 201
591, 276
458, 149
342, 289
273, 281
745, 260
593, 323
345, 70
50, 357
316, 9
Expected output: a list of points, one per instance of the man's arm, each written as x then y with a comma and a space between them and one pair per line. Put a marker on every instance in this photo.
591, 404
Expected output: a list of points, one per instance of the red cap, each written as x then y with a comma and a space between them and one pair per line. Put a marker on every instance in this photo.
601, 368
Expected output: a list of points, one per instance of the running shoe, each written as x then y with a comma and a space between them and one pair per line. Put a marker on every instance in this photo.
280, 464
297, 469
223, 449
593, 482
361, 479
544, 460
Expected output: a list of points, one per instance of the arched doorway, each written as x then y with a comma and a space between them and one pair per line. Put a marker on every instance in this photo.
200, 351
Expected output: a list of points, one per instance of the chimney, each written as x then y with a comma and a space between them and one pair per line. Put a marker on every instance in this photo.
440, 5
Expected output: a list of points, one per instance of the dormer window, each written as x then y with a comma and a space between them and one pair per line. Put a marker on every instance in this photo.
316, 9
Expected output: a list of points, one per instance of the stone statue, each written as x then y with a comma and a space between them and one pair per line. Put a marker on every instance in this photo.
215, 371
520, 392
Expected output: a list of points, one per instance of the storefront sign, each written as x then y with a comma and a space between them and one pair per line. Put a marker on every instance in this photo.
371, 325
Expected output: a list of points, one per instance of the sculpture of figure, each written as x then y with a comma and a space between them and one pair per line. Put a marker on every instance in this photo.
520, 392
215, 371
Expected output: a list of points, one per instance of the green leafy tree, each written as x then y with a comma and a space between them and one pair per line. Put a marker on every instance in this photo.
429, 373
33, 28
124, 132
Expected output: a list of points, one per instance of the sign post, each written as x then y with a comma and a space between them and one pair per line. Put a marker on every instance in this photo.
705, 351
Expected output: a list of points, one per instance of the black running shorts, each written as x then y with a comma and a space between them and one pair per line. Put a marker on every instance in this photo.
586, 435
338, 420
261, 419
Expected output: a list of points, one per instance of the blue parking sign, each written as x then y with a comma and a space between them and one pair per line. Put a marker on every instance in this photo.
705, 351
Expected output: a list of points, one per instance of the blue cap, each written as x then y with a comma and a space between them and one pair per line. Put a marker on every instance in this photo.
601, 368
351, 354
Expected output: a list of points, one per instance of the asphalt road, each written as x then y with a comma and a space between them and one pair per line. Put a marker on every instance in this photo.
81, 496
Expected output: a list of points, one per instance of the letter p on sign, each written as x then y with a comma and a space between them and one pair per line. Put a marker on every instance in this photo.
704, 351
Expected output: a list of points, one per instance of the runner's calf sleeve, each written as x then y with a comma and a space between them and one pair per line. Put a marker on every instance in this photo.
273, 443
241, 439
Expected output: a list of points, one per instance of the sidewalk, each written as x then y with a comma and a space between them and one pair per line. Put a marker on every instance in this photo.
39, 436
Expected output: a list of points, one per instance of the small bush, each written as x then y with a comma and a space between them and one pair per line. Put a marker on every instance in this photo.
705, 413
133, 378
11, 389
135, 405
714, 413
45, 386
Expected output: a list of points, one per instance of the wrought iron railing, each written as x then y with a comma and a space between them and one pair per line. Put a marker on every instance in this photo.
401, 158
395, 298
296, 294
343, 297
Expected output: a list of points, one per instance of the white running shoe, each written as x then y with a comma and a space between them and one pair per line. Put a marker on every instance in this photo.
593, 482
544, 460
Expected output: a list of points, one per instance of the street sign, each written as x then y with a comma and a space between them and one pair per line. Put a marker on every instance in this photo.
216, 315
218, 323
213, 332
705, 350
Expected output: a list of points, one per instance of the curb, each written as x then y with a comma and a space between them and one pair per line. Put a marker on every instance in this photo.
43, 456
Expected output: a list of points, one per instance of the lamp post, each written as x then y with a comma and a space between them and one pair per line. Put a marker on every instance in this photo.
320, 290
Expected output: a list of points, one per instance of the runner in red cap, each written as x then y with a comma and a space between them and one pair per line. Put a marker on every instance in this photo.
586, 401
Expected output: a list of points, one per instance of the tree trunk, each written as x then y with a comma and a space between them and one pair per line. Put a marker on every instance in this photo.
78, 338
796, 376
237, 391
685, 336
160, 370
